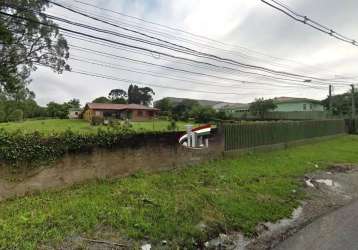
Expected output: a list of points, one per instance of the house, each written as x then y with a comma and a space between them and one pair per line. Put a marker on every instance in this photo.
134, 112
292, 104
74, 113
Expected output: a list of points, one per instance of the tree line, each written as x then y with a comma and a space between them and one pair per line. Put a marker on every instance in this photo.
189, 109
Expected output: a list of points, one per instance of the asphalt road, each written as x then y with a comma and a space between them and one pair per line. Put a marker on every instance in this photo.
335, 231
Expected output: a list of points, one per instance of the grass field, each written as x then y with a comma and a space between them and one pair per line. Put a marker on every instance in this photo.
178, 206
81, 126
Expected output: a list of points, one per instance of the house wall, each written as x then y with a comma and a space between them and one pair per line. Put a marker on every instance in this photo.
88, 114
298, 106
134, 115
142, 115
74, 114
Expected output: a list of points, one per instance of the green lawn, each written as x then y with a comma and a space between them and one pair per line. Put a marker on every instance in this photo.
230, 194
81, 126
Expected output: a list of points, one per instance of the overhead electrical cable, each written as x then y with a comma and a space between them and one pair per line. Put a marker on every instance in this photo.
306, 20
205, 38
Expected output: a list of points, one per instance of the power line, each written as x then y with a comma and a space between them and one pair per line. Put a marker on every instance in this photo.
198, 53
181, 49
305, 20
108, 55
166, 76
151, 84
135, 47
177, 30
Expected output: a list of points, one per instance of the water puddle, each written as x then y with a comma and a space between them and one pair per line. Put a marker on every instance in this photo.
284, 222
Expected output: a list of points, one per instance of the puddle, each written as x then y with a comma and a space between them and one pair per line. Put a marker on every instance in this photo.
309, 183
235, 241
146, 247
327, 182
285, 222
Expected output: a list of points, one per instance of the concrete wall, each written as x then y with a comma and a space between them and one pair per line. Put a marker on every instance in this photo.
153, 153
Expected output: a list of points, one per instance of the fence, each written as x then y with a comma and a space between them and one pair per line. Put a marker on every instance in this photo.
249, 135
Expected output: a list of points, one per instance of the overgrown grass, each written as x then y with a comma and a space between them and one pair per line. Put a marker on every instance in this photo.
48, 126
230, 194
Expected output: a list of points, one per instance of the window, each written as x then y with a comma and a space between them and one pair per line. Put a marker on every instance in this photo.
304, 106
98, 113
311, 106
76, 113
140, 113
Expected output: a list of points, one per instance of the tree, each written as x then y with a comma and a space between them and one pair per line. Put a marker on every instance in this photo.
57, 110
73, 103
260, 107
138, 95
202, 114
2, 116
165, 106
28, 38
101, 99
182, 111
341, 104
16, 116
118, 96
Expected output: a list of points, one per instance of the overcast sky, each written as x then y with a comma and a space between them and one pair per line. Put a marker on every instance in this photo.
255, 29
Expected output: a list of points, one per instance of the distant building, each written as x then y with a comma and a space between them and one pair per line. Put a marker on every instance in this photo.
236, 110
134, 112
292, 104
74, 113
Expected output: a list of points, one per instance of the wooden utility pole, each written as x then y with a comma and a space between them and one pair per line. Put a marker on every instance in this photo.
353, 103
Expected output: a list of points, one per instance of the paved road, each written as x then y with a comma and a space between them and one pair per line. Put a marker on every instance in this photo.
335, 231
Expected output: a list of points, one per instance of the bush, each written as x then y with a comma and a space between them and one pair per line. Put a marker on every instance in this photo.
2, 116
97, 120
16, 115
172, 125
18, 148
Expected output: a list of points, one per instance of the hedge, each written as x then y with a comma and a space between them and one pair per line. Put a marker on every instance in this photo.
24, 149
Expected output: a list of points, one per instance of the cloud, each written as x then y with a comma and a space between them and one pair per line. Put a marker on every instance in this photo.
255, 31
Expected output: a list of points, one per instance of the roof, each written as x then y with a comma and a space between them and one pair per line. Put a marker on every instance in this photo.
285, 99
112, 106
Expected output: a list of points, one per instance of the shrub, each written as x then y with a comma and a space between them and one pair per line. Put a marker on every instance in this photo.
16, 115
172, 125
2, 116
18, 148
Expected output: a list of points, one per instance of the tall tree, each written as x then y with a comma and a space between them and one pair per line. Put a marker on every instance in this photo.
74, 103
165, 105
27, 39
261, 106
139, 95
118, 96
101, 99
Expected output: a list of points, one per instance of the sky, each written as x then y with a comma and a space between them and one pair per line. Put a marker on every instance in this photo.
247, 31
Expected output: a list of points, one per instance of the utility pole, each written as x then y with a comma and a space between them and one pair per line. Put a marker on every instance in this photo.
353, 103
330, 99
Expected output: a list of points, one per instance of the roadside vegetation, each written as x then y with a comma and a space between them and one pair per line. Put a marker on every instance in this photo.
183, 206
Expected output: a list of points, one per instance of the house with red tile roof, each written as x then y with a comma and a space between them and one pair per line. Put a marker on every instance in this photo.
133, 112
